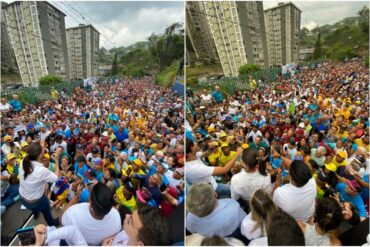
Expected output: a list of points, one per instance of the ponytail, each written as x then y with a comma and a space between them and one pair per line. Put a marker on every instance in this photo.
262, 167
33, 152
27, 166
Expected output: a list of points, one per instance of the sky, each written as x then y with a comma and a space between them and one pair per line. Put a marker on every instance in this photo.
323, 12
122, 23
127, 22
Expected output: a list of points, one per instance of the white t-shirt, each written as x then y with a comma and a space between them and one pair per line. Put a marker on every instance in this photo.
248, 228
291, 152
121, 239
196, 171
298, 202
244, 184
33, 187
173, 182
93, 230
44, 135
5, 107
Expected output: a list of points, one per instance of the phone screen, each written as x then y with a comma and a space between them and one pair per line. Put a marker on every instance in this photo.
129, 170
26, 236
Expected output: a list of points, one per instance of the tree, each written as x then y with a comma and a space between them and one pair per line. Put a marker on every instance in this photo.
114, 70
249, 68
50, 80
318, 50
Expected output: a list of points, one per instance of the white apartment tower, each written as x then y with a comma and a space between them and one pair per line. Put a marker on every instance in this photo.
83, 51
283, 24
37, 35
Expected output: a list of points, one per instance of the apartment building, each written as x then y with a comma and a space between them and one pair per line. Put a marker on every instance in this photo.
7, 52
199, 33
37, 35
83, 51
237, 28
283, 24
252, 24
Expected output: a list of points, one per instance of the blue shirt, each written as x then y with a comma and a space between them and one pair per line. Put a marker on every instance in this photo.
153, 169
356, 200
121, 135
16, 105
276, 163
81, 171
365, 191
217, 95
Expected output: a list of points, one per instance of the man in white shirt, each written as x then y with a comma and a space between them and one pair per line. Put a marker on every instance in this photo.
4, 106
298, 197
146, 226
96, 220
44, 133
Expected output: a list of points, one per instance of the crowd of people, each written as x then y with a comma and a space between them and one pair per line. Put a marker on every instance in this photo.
286, 163
108, 159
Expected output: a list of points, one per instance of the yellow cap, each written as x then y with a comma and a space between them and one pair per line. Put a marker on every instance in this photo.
10, 156
331, 167
213, 144
153, 146
210, 129
245, 145
230, 138
8, 138
138, 162
223, 134
46, 155
224, 145
342, 154
24, 144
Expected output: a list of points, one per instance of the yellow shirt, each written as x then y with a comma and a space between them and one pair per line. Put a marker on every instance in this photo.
224, 159
54, 94
343, 135
10, 169
335, 162
121, 199
213, 157
360, 143
134, 181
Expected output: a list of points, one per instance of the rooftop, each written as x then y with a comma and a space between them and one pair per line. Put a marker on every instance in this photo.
83, 26
282, 4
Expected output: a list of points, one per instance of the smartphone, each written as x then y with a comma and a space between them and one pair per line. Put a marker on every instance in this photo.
128, 171
26, 236
163, 187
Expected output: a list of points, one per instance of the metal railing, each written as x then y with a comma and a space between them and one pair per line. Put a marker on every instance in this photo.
32, 95
232, 84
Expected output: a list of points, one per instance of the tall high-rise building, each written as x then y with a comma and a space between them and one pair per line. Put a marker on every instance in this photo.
238, 32
7, 52
199, 33
283, 24
37, 34
83, 51
252, 24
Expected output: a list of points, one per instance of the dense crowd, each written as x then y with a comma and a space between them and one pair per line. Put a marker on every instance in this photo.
286, 163
108, 159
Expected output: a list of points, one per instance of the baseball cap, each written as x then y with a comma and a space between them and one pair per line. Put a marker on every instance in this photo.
210, 129
342, 154
97, 161
180, 171
224, 145
230, 138
30, 126
223, 134
8, 138
24, 144
227, 118
159, 153
331, 167
10, 156
95, 150
138, 162
301, 125
47, 156
80, 159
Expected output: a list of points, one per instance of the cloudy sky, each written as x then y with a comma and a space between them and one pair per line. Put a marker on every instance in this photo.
123, 23
323, 12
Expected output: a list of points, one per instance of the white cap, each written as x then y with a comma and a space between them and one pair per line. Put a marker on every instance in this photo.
301, 125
